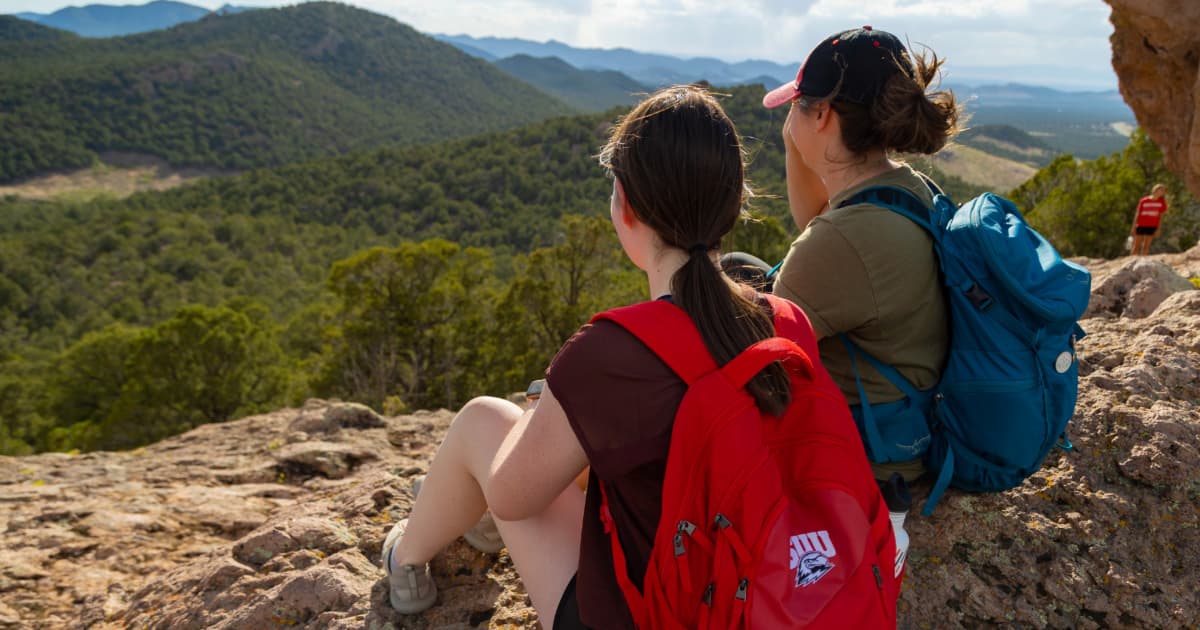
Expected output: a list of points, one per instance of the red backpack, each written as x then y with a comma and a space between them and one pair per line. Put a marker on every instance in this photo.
766, 522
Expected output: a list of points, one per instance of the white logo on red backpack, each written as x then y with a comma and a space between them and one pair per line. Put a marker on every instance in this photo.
810, 557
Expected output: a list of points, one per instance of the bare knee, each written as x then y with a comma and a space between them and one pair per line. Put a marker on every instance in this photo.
486, 415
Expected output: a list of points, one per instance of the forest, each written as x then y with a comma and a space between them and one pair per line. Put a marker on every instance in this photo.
403, 278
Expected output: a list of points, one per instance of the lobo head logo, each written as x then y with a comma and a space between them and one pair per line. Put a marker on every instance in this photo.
810, 557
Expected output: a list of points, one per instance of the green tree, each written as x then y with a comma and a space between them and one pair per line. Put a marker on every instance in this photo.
23, 429
556, 290
762, 236
397, 322
89, 380
201, 365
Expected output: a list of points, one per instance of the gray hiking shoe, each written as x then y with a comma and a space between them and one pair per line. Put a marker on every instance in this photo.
410, 588
485, 536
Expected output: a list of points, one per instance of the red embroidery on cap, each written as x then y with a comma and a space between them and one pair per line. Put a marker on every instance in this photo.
876, 44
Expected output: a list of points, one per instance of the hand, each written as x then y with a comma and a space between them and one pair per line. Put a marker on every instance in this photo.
807, 196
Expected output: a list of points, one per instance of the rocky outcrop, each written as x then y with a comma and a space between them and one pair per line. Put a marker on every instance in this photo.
269, 521
1156, 53
277, 520
1134, 287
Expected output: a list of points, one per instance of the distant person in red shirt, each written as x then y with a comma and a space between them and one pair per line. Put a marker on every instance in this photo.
1146, 220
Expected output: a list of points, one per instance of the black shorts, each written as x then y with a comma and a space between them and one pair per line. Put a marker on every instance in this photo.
567, 615
1145, 230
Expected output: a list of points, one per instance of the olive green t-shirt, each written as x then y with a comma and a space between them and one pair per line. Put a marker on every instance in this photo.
871, 273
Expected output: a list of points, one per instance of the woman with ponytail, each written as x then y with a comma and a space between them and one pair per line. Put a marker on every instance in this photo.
859, 271
608, 403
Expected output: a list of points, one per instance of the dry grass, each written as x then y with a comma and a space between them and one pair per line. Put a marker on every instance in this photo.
978, 167
115, 176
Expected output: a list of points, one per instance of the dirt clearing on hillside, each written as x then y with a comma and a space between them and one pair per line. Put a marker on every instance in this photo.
116, 175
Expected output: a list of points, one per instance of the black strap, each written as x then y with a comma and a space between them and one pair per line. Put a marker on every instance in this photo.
889, 196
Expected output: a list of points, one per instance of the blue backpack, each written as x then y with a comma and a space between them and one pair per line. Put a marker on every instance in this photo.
1011, 375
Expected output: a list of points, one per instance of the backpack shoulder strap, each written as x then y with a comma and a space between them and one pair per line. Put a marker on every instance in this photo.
669, 333
790, 321
898, 200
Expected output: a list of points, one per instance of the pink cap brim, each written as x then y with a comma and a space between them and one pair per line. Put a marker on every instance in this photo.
781, 95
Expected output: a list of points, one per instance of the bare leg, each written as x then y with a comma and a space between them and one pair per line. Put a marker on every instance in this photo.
451, 499
545, 548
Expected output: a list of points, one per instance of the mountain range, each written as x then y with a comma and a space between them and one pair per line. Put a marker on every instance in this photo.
242, 90
100, 20
647, 68
587, 90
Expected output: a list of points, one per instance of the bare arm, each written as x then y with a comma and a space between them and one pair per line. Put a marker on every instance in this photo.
537, 461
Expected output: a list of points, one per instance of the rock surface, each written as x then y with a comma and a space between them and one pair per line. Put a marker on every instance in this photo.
276, 520
1156, 53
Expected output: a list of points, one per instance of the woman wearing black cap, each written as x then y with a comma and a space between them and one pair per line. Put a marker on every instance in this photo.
859, 99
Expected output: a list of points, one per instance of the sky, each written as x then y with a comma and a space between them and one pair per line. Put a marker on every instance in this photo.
1057, 43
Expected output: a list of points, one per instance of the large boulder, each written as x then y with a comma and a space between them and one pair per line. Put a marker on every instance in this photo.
1156, 53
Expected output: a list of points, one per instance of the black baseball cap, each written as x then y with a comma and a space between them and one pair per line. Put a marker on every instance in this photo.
856, 63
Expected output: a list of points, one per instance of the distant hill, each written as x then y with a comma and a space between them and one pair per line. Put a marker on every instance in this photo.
100, 20
649, 69
1084, 124
588, 90
252, 89
1008, 142
982, 168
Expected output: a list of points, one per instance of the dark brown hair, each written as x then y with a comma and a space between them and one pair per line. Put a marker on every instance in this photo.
680, 163
906, 116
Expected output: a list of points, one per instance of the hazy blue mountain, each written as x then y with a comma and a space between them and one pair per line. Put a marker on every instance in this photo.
101, 20
589, 90
1108, 104
649, 69
766, 81
475, 52
1065, 78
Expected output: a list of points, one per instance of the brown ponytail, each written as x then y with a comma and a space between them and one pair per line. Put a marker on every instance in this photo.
905, 116
680, 163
